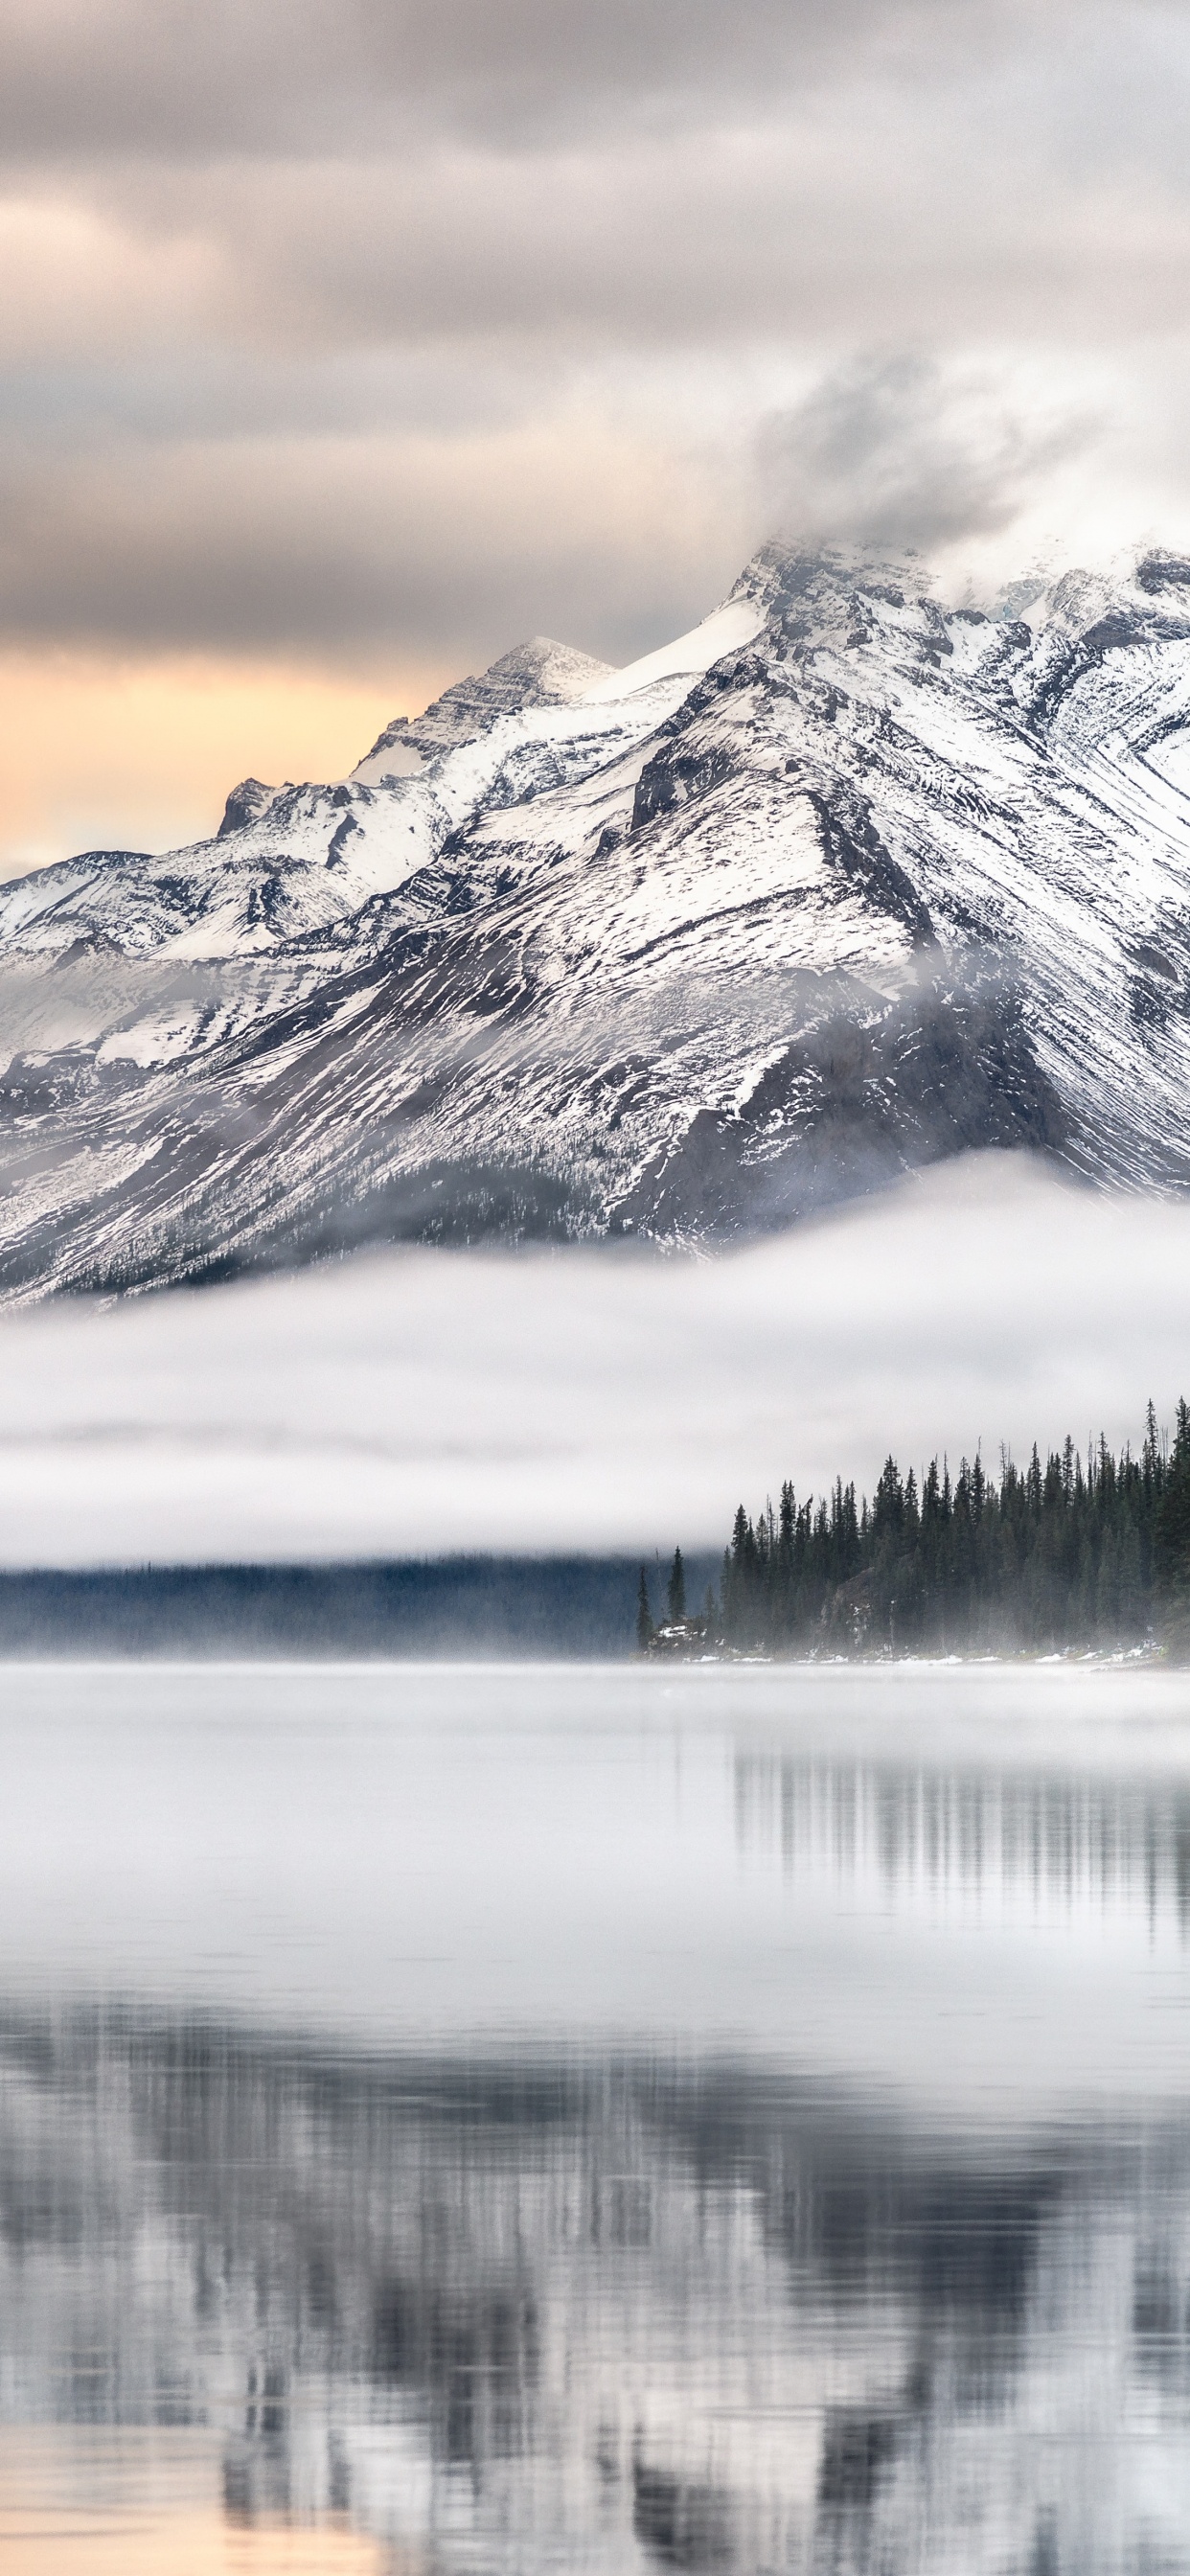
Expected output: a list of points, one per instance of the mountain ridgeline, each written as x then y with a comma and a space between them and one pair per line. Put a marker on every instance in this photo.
842, 882
1062, 1553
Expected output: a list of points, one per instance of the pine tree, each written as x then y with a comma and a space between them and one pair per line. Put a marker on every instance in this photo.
1050, 1556
1171, 1532
644, 1616
675, 1596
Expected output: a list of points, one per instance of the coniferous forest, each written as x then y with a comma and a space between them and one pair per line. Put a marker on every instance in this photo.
1065, 1552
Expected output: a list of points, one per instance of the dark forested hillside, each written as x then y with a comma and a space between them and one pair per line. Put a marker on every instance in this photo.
1062, 1553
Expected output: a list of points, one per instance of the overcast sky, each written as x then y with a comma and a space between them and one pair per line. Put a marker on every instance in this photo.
344, 342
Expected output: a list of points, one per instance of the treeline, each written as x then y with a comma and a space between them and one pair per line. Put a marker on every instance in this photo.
1067, 1552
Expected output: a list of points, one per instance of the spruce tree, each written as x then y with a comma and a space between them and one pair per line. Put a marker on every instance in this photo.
675, 1597
1171, 1533
644, 1616
1046, 1557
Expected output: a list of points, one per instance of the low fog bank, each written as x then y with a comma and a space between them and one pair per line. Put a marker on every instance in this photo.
422, 1403
488, 1608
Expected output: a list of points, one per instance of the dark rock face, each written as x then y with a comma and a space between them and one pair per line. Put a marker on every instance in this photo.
1160, 572
245, 805
675, 776
853, 845
873, 1090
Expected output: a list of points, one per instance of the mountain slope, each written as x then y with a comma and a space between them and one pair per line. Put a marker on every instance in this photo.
840, 883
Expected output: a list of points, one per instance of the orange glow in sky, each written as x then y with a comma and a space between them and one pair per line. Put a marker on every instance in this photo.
99, 753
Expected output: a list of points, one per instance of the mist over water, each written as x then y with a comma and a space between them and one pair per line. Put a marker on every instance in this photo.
595, 2118
418, 1402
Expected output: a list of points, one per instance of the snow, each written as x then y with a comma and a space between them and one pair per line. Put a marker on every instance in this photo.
420, 783
524, 957
731, 627
153, 1041
399, 760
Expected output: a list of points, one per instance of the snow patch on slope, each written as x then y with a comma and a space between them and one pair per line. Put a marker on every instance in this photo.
731, 627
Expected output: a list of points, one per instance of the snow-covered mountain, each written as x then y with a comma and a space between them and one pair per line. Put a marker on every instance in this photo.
842, 882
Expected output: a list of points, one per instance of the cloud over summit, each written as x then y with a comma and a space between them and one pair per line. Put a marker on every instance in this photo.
377, 332
900, 453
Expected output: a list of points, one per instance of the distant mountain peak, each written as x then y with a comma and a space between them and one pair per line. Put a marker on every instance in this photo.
545, 672
541, 672
538, 673
246, 804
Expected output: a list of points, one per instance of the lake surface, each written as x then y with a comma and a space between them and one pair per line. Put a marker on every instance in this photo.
594, 2119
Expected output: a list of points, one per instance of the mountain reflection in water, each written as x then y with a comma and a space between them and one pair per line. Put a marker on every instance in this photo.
512, 2298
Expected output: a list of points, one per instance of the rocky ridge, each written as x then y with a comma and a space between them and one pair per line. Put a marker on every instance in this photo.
845, 881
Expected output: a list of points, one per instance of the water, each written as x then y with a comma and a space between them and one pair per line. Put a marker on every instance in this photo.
463, 2119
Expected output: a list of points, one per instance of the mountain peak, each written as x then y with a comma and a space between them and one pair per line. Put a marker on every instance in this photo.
785, 572
539, 673
246, 804
546, 672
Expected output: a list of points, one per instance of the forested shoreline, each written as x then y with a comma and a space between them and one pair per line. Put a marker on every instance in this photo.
1065, 1552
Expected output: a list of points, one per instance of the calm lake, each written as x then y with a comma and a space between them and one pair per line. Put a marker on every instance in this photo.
594, 2118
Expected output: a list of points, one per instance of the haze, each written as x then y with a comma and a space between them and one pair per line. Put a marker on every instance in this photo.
420, 1402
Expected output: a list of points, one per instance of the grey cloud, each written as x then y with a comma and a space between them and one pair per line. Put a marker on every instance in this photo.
404, 548
893, 452
250, 514
866, 209
428, 327
259, 76
219, 394
646, 244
